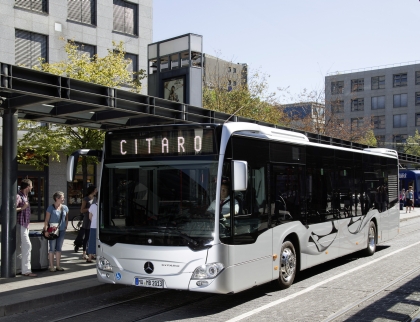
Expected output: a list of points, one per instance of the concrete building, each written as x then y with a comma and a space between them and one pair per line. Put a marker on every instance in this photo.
39, 28
305, 110
390, 97
220, 72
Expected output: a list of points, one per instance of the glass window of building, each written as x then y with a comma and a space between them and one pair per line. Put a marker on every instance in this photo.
75, 188
379, 122
234, 70
337, 87
337, 106
90, 50
185, 59
29, 47
418, 78
125, 17
152, 66
400, 120
378, 102
357, 85
175, 61
418, 98
380, 140
356, 123
357, 104
378, 82
399, 140
33, 5
400, 100
196, 59
164, 63
133, 66
229, 69
83, 11
400, 80
418, 119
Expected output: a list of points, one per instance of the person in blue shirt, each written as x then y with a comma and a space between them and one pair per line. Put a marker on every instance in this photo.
409, 195
57, 213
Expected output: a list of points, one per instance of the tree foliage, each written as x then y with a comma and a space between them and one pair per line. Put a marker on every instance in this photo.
412, 144
111, 70
250, 99
41, 142
324, 120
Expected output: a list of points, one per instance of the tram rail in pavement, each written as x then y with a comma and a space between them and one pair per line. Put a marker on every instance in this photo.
78, 280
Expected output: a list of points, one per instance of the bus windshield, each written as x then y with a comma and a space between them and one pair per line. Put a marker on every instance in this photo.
158, 202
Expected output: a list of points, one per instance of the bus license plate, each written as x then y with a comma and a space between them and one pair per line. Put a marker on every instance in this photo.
147, 282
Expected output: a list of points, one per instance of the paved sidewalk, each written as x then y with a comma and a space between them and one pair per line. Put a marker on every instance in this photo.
77, 281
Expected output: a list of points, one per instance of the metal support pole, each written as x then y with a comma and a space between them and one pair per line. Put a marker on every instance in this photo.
9, 191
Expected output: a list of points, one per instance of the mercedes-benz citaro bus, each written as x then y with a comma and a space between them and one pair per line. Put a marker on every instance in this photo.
291, 204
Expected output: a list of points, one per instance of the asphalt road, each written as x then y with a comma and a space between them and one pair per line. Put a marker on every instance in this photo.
383, 287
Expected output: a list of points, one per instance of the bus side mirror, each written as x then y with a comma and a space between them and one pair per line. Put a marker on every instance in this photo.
239, 175
74, 158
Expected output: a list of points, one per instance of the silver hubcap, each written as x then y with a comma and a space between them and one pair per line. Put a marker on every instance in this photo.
288, 264
371, 239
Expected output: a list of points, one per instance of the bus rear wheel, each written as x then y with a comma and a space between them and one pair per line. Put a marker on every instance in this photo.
371, 246
287, 265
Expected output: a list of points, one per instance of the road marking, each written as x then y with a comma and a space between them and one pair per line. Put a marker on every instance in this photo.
310, 288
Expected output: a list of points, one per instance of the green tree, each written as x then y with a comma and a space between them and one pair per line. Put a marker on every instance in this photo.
412, 144
40, 142
250, 99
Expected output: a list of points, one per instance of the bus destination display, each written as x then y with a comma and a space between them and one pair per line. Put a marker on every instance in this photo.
164, 143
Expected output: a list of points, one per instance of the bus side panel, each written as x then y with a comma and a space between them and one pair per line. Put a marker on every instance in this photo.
320, 243
252, 263
392, 218
353, 233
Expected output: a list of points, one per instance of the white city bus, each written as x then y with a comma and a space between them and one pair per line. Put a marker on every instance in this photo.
293, 204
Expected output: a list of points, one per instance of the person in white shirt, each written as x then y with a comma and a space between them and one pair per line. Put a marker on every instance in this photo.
224, 201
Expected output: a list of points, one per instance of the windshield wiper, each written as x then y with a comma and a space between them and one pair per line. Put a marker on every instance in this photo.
180, 234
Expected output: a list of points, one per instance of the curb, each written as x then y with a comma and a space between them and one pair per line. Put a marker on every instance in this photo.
57, 293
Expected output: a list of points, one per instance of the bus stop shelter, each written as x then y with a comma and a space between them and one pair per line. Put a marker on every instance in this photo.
41, 97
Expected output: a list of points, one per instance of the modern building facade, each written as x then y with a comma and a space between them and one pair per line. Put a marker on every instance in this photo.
33, 29
222, 73
310, 111
389, 97
176, 69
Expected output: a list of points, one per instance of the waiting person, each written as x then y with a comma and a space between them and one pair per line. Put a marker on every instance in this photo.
83, 235
224, 205
410, 199
93, 216
23, 209
402, 197
57, 213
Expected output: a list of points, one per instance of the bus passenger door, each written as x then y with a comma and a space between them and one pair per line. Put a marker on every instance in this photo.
251, 252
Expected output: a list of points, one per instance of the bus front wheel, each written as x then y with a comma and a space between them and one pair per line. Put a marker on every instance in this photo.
287, 265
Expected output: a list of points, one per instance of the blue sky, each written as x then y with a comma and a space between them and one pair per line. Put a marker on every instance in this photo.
297, 42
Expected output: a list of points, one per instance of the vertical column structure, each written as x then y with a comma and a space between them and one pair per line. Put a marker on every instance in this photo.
9, 190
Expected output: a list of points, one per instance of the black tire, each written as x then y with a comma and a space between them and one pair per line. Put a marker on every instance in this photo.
371, 246
287, 265
77, 222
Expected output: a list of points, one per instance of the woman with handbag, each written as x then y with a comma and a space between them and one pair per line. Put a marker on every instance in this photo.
56, 222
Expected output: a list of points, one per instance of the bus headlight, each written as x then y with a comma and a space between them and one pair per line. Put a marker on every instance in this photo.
104, 264
207, 271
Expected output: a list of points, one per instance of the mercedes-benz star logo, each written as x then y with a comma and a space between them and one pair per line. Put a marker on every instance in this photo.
149, 268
